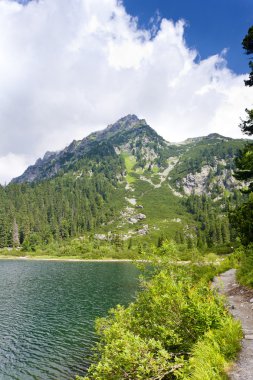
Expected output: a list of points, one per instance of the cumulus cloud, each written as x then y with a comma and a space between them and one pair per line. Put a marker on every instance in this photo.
69, 67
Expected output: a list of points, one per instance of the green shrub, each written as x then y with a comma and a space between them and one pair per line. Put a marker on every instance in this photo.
245, 271
128, 356
178, 328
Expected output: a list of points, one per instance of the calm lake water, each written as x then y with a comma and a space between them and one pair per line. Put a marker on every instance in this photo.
47, 313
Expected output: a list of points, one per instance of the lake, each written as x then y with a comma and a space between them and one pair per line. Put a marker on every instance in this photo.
47, 313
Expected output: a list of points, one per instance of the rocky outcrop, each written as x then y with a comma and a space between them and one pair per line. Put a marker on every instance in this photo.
136, 218
129, 215
196, 183
207, 180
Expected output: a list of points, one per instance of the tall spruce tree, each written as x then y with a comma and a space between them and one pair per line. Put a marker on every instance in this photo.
244, 162
243, 216
15, 234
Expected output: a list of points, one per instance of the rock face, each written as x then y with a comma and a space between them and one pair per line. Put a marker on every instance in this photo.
199, 183
196, 182
207, 179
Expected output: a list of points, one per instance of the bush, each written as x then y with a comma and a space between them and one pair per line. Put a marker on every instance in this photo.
178, 328
128, 356
245, 271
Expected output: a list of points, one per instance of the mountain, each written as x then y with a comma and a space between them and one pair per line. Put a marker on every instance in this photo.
128, 130
189, 166
125, 181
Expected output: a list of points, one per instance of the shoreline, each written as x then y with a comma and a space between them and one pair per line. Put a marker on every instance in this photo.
28, 258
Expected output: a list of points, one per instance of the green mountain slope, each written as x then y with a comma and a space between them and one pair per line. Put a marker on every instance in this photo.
125, 181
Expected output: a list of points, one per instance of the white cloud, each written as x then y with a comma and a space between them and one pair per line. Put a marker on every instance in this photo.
11, 163
69, 67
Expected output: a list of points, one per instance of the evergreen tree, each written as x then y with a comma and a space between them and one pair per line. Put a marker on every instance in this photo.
15, 234
214, 228
62, 207
3, 239
244, 162
242, 218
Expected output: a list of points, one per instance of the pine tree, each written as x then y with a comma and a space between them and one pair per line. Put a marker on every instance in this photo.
244, 162
3, 239
242, 218
15, 234
225, 231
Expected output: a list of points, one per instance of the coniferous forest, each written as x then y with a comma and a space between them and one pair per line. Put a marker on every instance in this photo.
63, 207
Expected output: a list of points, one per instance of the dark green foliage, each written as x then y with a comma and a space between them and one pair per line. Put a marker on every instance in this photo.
65, 206
242, 217
247, 125
245, 271
247, 42
247, 45
242, 220
213, 226
244, 165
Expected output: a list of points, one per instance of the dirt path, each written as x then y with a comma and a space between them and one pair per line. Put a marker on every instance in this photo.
241, 308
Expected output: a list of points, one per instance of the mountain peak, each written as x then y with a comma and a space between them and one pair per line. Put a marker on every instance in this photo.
52, 162
128, 119
125, 123
211, 136
217, 136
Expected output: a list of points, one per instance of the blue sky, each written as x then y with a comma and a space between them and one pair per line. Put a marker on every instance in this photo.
212, 25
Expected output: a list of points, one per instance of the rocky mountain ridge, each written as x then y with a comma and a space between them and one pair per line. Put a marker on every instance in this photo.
126, 182
119, 133
189, 166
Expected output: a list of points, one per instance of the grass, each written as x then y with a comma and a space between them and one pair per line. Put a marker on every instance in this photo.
245, 271
130, 162
212, 355
156, 179
162, 208
155, 169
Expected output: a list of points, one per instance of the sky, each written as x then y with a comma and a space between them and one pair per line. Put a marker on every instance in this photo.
212, 26
70, 67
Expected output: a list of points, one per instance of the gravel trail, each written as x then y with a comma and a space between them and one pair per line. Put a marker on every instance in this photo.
241, 308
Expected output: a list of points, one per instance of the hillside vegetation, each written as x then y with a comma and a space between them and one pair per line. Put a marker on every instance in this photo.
124, 187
